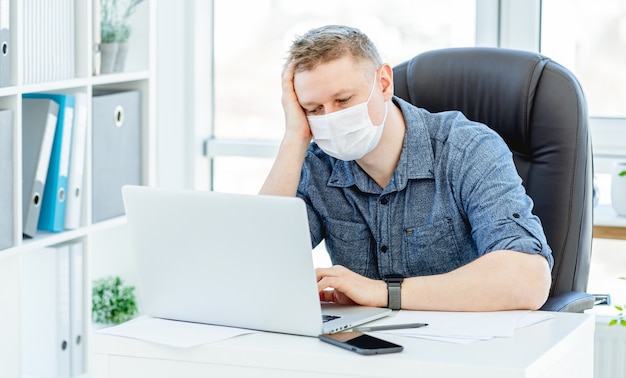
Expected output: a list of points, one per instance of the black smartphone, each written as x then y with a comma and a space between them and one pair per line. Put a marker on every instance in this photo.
361, 343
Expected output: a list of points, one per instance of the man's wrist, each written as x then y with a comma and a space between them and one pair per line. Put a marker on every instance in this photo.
394, 292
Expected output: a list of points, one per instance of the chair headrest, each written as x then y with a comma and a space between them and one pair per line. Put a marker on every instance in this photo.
490, 85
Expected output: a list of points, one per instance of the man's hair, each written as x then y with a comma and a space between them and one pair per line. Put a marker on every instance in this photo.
327, 43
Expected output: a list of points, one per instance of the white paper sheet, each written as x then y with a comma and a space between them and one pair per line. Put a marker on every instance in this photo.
173, 333
464, 327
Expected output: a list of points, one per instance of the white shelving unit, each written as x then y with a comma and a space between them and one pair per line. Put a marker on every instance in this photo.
139, 75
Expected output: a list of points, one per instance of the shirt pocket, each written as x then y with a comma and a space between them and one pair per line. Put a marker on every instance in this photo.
349, 244
433, 249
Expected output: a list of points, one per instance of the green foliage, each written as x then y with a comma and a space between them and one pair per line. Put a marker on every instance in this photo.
112, 302
620, 317
114, 19
622, 173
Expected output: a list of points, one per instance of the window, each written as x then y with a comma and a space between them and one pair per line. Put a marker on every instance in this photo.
589, 38
250, 50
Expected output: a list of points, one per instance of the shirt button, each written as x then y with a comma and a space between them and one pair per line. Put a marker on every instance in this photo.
516, 215
383, 201
384, 248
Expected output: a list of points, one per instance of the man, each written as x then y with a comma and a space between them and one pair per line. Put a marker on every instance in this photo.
419, 211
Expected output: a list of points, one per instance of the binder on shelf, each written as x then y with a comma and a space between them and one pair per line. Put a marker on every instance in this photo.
49, 40
7, 179
39, 120
52, 215
5, 43
77, 341
116, 150
77, 163
45, 302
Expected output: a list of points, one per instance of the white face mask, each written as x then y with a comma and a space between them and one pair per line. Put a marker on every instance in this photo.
347, 134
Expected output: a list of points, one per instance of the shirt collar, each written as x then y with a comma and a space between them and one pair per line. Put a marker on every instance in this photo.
416, 160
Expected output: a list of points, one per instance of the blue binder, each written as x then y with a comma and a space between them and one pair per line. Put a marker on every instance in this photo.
52, 215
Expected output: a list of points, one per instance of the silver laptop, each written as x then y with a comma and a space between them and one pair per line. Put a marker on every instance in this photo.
230, 259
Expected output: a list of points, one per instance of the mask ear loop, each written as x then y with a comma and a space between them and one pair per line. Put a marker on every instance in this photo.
372, 91
370, 97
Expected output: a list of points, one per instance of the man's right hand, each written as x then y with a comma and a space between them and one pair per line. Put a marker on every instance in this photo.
296, 123
284, 176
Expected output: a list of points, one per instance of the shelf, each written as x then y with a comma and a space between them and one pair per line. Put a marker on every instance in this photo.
119, 77
25, 257
45, 239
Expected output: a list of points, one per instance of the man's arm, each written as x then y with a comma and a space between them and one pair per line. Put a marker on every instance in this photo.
284, 176
499, 280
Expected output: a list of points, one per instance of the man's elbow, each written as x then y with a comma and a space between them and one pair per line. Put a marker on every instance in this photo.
538, 283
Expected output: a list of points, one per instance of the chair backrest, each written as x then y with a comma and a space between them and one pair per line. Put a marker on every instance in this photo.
539, 109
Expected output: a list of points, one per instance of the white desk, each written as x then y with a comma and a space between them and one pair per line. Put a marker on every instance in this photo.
561, 347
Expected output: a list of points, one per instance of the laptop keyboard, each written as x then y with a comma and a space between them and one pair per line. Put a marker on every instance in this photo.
327, 318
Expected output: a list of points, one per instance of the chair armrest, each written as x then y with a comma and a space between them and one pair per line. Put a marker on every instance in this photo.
572, 301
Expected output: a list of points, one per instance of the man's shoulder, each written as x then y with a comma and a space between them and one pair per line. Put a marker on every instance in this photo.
450, 126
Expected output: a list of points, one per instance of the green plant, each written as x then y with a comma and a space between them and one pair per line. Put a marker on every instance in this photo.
114, 14
112, 301
620, 317
622, 174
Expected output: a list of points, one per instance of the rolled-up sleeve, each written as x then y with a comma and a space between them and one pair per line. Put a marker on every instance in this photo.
491, 193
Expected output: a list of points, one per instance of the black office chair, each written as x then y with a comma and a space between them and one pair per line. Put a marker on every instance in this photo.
539, 109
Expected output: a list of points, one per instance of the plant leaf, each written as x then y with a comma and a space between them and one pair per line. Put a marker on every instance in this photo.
619, 308
622, 174
613, 322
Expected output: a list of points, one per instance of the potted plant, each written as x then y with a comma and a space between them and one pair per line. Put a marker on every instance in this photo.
115, 31
112, 301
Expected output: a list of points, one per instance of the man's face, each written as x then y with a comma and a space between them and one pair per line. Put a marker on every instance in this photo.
337, 85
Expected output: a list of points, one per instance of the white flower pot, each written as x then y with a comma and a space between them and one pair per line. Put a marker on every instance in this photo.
618, 188
120, 58
108, 54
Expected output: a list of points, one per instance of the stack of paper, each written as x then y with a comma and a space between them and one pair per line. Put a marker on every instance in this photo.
173, 333
464, 327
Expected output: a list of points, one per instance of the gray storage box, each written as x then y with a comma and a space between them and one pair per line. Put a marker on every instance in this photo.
116, 150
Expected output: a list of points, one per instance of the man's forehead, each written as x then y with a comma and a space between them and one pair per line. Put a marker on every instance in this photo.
314, 87
342, 70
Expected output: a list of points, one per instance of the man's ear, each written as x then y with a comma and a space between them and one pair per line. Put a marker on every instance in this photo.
386, 79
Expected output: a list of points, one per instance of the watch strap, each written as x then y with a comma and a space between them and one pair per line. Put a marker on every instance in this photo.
394, 286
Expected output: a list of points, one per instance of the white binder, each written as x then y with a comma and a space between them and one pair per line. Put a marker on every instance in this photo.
5, 43
77, 323
45, 299
73, 206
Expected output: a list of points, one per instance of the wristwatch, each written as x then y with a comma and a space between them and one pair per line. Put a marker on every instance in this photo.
394, 284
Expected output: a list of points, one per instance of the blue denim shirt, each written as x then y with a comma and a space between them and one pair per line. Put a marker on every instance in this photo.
454, 196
